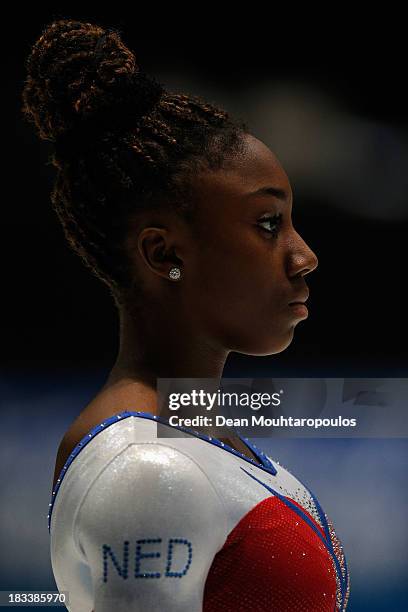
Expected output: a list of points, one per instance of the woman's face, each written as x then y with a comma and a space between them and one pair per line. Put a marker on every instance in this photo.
246, 262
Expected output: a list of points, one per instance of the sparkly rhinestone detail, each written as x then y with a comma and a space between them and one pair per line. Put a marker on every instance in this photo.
272, 560
338, 558
332, 542
338, 551
302, 496
265, 465
175, 273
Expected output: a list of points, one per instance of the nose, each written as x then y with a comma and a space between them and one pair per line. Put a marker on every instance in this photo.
302, 260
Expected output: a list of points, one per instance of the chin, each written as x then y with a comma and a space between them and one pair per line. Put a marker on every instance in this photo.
269, 346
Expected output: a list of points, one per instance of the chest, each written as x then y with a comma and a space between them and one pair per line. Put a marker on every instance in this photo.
281, 549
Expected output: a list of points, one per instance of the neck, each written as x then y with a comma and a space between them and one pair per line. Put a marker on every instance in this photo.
164, 345
165, 349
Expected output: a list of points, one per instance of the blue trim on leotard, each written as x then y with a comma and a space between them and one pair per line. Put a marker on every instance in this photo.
322, 516
265, 465
343, 579
263, 458
288, 502
326, 540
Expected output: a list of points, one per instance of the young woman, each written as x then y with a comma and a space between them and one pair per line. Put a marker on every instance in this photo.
186, 217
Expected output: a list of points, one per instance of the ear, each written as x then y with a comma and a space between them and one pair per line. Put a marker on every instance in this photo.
158, 250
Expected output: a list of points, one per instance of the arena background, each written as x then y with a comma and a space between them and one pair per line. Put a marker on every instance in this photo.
326, 92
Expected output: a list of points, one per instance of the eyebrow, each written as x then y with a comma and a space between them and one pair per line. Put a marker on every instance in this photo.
276, 192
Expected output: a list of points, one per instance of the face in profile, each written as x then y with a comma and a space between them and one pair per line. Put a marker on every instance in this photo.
242, 260
249, 262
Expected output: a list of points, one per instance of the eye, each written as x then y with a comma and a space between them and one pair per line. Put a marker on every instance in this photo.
273, 223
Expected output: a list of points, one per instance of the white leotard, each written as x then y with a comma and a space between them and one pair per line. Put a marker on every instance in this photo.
146, 523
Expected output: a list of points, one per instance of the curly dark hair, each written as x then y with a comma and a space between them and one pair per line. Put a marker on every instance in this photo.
121, 142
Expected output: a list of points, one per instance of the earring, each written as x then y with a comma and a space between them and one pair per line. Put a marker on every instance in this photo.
175, 273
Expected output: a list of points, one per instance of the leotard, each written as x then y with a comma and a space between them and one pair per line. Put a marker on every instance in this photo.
139, 522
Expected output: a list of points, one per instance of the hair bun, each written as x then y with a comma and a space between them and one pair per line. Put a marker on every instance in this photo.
81, 77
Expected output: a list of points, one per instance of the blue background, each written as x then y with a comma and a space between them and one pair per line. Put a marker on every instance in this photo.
361, 484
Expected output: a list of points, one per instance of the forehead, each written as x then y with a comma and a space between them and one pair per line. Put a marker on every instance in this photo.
257, 167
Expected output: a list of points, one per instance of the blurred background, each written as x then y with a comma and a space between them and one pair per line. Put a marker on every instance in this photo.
326, 93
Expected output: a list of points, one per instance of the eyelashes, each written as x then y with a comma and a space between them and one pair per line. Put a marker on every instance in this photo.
274, 222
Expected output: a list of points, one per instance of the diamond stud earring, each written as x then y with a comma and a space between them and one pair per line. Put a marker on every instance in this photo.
175, 273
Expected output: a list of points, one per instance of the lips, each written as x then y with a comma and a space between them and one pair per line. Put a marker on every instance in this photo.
301, 299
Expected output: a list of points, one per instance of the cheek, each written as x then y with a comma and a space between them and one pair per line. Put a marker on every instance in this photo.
234, 276
240, 297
